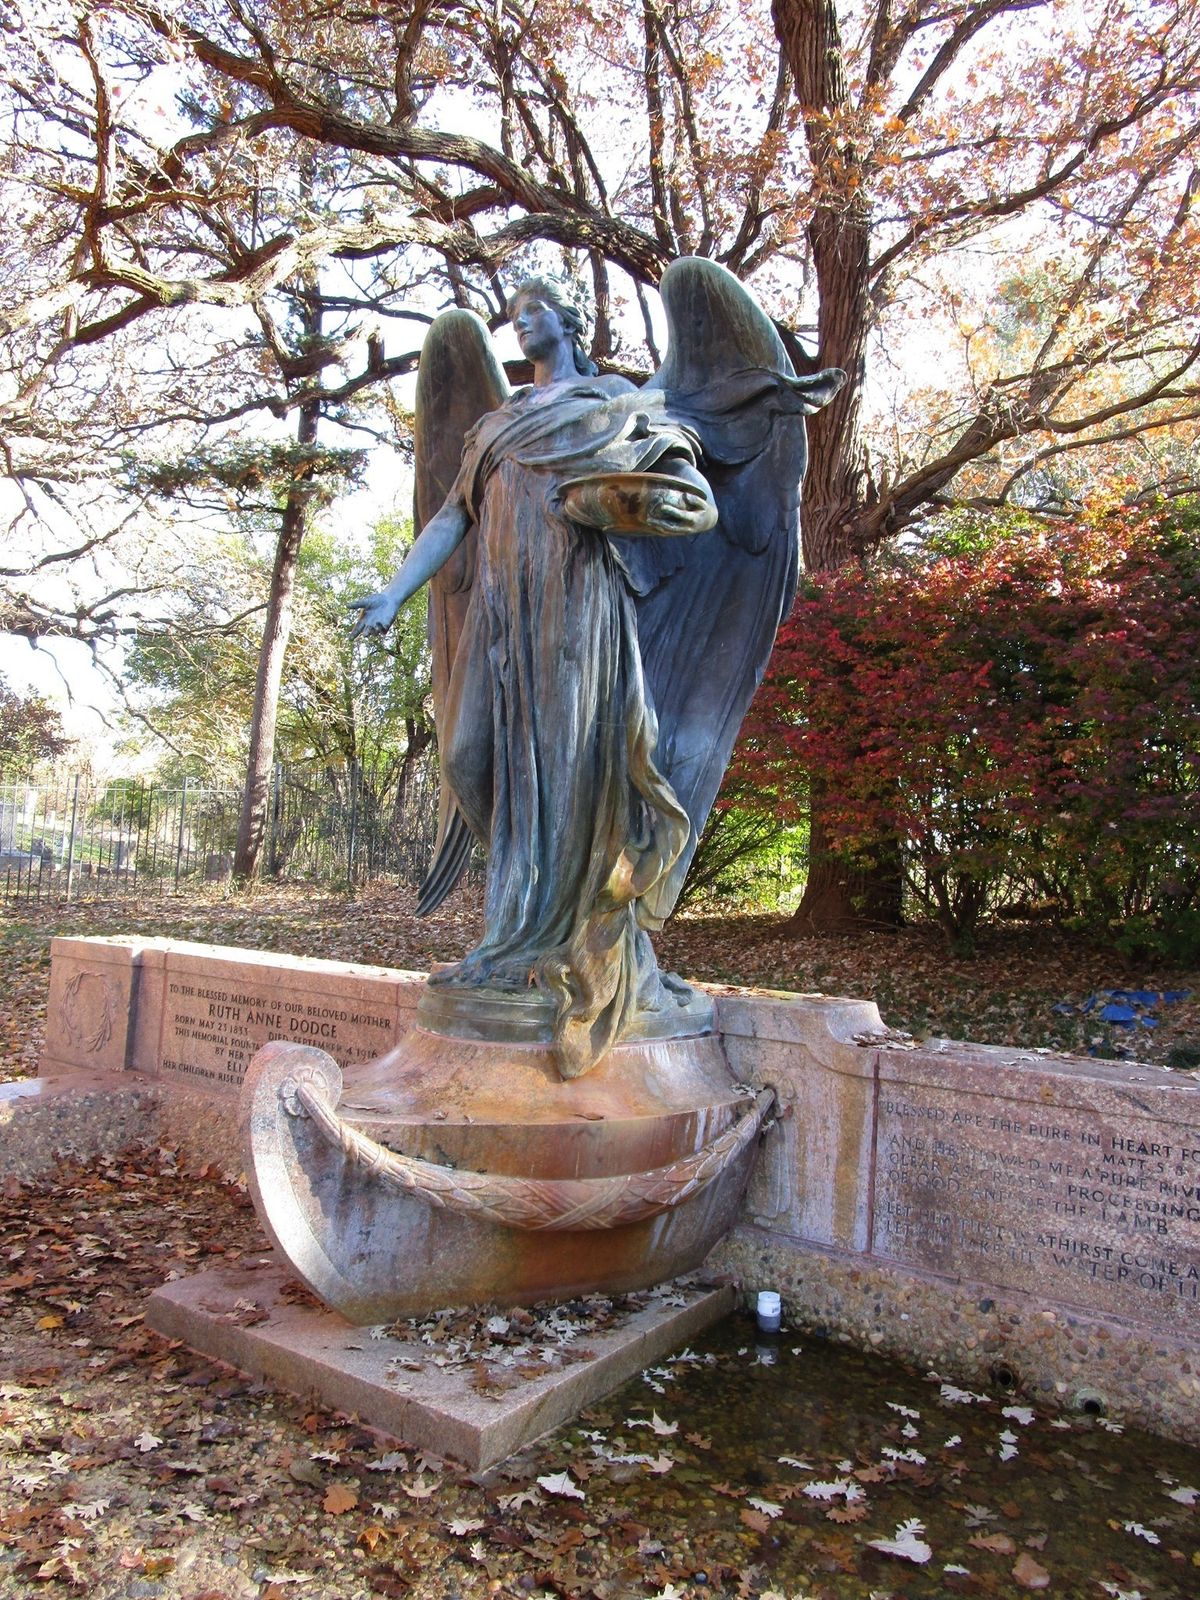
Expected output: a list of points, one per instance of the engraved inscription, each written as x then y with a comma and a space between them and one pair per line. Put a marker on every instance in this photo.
211, 1030
1066, 1205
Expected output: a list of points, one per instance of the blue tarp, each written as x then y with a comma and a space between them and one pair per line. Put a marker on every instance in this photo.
1122, 1008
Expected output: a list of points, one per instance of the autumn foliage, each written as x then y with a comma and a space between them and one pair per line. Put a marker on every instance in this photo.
30, 731
1019, 710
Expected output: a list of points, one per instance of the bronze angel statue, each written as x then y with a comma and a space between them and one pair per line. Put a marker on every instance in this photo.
608, 567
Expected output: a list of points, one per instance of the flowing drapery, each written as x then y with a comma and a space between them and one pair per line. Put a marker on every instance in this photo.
550, 734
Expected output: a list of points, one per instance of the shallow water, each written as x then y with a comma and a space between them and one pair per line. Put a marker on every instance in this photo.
1069, 1507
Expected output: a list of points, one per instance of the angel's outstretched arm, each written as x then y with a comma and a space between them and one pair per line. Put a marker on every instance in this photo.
434, 546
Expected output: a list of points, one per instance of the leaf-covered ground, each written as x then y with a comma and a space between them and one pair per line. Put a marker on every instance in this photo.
131, 1469
1028, 986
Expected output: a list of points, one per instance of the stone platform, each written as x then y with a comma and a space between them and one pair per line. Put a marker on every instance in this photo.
248, 1318
999, 1214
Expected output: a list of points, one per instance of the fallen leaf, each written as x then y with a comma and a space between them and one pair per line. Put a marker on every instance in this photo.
561, 1483
339, 1498
64, 1566
29, 1482
306, 1472
828, 1490
1030, 1574
655, 1422
1022, 1414
906, 1542
86, 1510
954, 1396
522, 1497
854, 1512
999, 1544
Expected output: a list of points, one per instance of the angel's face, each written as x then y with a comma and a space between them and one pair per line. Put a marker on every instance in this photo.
539, 327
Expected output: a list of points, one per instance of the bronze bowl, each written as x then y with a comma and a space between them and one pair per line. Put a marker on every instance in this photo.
630, 502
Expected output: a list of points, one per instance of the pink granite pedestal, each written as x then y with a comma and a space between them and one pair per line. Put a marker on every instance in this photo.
319, 1355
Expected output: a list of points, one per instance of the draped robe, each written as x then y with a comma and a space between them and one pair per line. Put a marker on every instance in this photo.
550, 735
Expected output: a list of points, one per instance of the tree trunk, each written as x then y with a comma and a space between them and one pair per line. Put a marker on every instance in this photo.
838, 492
252, 822
844, 897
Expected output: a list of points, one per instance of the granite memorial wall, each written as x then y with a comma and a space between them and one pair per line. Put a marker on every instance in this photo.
981, 1209
195, 1014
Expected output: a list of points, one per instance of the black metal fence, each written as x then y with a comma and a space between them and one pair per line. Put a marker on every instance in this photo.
74, 836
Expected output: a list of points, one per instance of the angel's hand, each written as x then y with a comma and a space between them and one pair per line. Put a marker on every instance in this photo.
684, 510
378, 612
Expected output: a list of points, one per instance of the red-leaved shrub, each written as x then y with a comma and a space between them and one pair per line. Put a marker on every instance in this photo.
1023, 718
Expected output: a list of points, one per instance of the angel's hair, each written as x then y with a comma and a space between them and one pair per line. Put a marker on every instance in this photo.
557, 295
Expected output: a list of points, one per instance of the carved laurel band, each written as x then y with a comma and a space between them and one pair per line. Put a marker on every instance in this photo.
532, 1204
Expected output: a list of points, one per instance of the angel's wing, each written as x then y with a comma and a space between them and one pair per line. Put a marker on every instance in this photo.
709, 606
459, 380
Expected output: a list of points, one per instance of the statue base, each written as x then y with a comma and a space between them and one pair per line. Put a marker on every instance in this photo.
254, 1319
526, 1016
463, 1171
